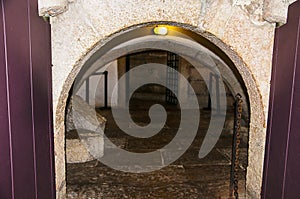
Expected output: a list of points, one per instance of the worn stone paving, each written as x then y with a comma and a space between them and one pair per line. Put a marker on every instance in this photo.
188, 177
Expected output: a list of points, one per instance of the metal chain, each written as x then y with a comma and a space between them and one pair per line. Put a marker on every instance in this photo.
236, 143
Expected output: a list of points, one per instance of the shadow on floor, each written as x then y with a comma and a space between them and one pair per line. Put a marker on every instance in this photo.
188, 177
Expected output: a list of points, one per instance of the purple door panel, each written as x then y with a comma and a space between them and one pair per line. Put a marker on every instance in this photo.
26, 169
282, 158
6, 189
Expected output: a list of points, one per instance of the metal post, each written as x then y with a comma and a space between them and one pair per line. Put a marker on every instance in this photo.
105, 73
217, 77
209, 91
87, 89
127, 65
105, 88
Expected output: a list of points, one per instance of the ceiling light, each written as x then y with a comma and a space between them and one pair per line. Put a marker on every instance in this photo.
160, 30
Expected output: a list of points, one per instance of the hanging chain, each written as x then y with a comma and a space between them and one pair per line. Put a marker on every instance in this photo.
235, 148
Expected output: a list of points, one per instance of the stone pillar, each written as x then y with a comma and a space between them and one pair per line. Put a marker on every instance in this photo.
182, 87
122, 87
52, 7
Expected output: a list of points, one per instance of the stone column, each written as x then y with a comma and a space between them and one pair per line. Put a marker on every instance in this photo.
122, 87
52, 7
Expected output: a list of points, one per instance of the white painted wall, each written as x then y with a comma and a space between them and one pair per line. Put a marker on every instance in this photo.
96, 87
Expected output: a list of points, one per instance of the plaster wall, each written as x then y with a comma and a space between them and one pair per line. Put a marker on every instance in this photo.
237, 27
96, 83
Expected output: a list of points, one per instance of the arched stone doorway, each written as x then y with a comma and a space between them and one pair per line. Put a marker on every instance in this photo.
235, 66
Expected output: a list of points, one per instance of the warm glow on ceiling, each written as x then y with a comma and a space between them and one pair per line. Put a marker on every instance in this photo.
160, 30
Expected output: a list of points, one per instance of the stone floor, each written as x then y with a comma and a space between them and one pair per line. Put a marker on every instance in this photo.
188, 177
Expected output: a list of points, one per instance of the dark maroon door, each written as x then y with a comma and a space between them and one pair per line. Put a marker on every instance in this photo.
26, 135
282, 159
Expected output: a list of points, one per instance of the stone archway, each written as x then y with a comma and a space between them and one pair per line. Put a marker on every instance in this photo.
244, 30
257, 127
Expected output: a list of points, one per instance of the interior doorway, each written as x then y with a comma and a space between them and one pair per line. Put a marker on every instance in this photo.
188, 176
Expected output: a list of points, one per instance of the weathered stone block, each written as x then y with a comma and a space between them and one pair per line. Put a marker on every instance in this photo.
86, 149
52, 7
81, 115
90, 127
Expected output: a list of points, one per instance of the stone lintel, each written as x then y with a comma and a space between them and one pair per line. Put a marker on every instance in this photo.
52, 7
275, 11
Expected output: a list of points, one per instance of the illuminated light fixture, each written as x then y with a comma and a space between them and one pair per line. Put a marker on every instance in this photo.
160, 30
